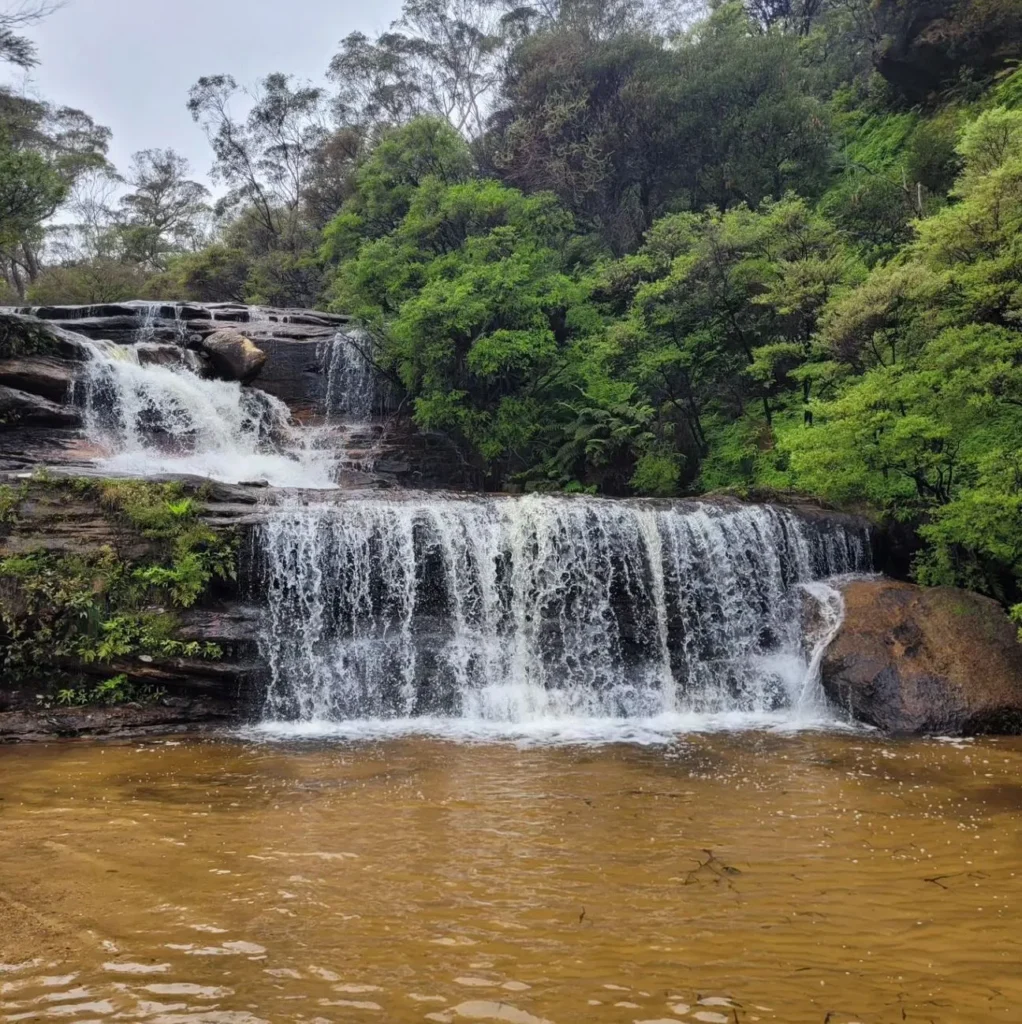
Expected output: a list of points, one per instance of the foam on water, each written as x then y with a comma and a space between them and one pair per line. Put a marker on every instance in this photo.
543, 617
659, 730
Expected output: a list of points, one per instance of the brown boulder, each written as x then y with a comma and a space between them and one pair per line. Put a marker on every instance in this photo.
914, 660
233, 356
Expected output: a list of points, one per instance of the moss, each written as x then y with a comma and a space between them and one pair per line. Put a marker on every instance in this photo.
24, 336
194, 553
96, 607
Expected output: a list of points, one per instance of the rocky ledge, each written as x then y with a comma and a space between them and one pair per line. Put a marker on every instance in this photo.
286, 353
166, 716
120, 607
915, 661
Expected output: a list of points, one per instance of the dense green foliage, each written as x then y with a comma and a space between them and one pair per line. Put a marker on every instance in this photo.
713, 265
64, 609
633, 247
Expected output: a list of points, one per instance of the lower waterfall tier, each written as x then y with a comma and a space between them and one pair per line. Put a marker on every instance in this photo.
544, 609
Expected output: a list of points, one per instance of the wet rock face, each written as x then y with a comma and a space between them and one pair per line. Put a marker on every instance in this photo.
46, 376
170, 715
233, 356
912, 660
59, 518
20, 407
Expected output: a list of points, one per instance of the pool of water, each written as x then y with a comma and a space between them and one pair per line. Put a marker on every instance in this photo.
725, 879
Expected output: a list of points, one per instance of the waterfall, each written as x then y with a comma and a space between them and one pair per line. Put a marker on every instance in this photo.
350, 376
147, 314
150, 416
150, 314
521, 613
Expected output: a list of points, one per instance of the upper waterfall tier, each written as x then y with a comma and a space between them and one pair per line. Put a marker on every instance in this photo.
152, 417
153, 400
525, 611
299, 397
304, 368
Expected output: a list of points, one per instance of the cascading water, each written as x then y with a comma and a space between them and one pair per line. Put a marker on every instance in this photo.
524, 614
155, 418
351, 398
150, 315
351, 379
147, 314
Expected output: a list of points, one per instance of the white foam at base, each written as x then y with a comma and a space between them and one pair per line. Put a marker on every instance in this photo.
660, 730
227, 467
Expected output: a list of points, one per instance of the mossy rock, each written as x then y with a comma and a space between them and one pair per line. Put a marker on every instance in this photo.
26, 336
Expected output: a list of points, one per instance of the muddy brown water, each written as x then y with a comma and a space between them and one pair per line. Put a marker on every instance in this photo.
728, 878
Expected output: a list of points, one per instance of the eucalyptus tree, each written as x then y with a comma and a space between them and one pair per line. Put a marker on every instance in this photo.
264, 157
165, 210
45, 151
267, 160
442, 57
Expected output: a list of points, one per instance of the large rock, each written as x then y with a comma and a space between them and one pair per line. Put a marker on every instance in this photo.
913, 660
17, 407
233, 355
22, 335
47, 376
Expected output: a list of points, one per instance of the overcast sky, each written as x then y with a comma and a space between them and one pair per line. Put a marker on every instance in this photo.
130, 63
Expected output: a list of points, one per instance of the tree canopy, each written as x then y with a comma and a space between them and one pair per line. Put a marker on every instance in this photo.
622, 246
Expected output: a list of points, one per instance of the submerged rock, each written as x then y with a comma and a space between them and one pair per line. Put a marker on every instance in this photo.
233, 355
914, 660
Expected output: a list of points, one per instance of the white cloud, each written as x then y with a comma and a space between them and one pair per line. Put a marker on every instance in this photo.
130, 63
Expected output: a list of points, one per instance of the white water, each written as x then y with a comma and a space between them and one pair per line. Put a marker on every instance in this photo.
351, 379
545, 617
153, 419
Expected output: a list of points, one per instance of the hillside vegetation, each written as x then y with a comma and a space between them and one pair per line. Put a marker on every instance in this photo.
627, 247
